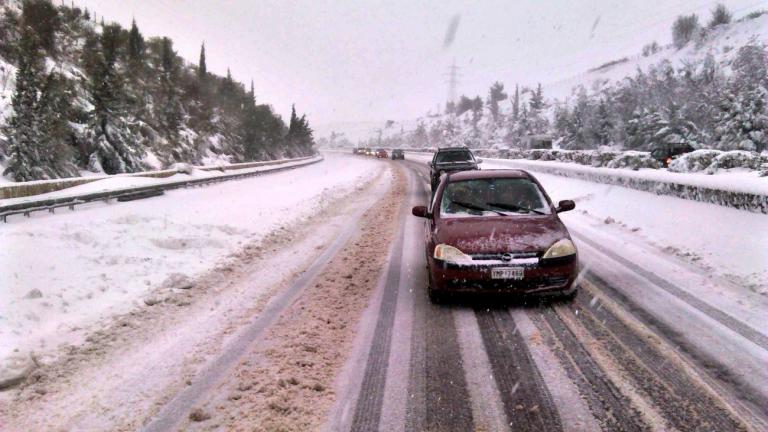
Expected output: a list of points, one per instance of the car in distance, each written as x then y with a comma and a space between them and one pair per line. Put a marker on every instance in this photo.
398, 154
448, 160
497, 231
381, 153
665, 153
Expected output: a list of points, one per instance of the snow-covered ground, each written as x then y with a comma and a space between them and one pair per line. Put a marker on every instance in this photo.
721, 242
61, 273
118, 182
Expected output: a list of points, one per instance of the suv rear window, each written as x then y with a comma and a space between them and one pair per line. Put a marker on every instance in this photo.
454, 156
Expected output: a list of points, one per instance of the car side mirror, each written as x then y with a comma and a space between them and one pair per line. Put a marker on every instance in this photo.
420, 211
479, 161
565, 205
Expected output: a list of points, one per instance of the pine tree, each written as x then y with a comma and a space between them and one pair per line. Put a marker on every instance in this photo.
53, 114
171, 111
136, 48
202, 68
24, 153
420, 136
496, 94
516, 104
537, 99
684, 29
299, 133
720, 15
42, 17
604, 124
743, 121
114, 149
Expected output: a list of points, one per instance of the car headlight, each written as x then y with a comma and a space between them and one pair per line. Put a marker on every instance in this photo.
444, 252
561, 248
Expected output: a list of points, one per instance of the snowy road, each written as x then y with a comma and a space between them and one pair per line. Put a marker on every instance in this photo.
331, 329
649, 344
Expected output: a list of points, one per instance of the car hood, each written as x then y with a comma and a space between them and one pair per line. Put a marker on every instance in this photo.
474, 235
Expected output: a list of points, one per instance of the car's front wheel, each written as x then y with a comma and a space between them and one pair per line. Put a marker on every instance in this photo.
570, 296
435, 296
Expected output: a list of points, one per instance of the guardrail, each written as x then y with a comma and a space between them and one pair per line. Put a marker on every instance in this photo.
51, 204
37, 187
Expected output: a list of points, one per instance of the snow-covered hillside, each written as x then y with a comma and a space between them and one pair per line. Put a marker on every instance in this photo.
709, 93
76, 94
722, 43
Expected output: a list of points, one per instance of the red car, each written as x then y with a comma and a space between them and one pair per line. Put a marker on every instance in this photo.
381, 154
497, 231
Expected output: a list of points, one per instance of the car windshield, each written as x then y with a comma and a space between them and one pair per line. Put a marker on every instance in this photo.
453, 156
493, 197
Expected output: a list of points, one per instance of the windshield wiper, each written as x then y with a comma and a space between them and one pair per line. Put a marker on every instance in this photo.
515, 208
476, 207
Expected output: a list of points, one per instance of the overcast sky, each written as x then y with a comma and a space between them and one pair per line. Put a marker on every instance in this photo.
365, 60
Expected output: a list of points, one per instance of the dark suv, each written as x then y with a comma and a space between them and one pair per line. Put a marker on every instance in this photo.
665, 153
451, 159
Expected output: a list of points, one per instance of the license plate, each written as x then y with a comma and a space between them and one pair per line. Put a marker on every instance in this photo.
507, 273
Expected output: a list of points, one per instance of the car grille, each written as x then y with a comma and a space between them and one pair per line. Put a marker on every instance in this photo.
500, 256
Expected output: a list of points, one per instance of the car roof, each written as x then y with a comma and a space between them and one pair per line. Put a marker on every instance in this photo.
450, 149
489, 173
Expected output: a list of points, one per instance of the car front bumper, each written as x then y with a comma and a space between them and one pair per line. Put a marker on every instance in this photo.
538, 279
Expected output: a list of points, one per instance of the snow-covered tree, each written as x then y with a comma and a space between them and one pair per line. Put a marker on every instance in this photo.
24, 152
743, 121
684, 30
496, 94
720, 15
114, 149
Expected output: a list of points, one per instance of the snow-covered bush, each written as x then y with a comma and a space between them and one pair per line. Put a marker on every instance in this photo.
634, 160
536, 154
695, 161
735, 159
183, 168
602, 158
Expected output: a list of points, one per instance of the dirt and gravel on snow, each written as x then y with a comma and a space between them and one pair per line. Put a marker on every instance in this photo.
132, 364
287, 382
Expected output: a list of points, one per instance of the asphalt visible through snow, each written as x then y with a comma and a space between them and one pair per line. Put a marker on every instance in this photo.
600, 362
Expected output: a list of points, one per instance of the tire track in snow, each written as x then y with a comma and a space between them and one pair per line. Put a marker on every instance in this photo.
683, 402
609, 406
524, 394
736, 384
447, 397
718, 315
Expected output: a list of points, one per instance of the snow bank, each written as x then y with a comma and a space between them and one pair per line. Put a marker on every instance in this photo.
720, 241
33, 190
740, 190
60, 274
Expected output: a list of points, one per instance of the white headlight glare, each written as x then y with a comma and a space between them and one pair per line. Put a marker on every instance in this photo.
450, 254
561, 248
